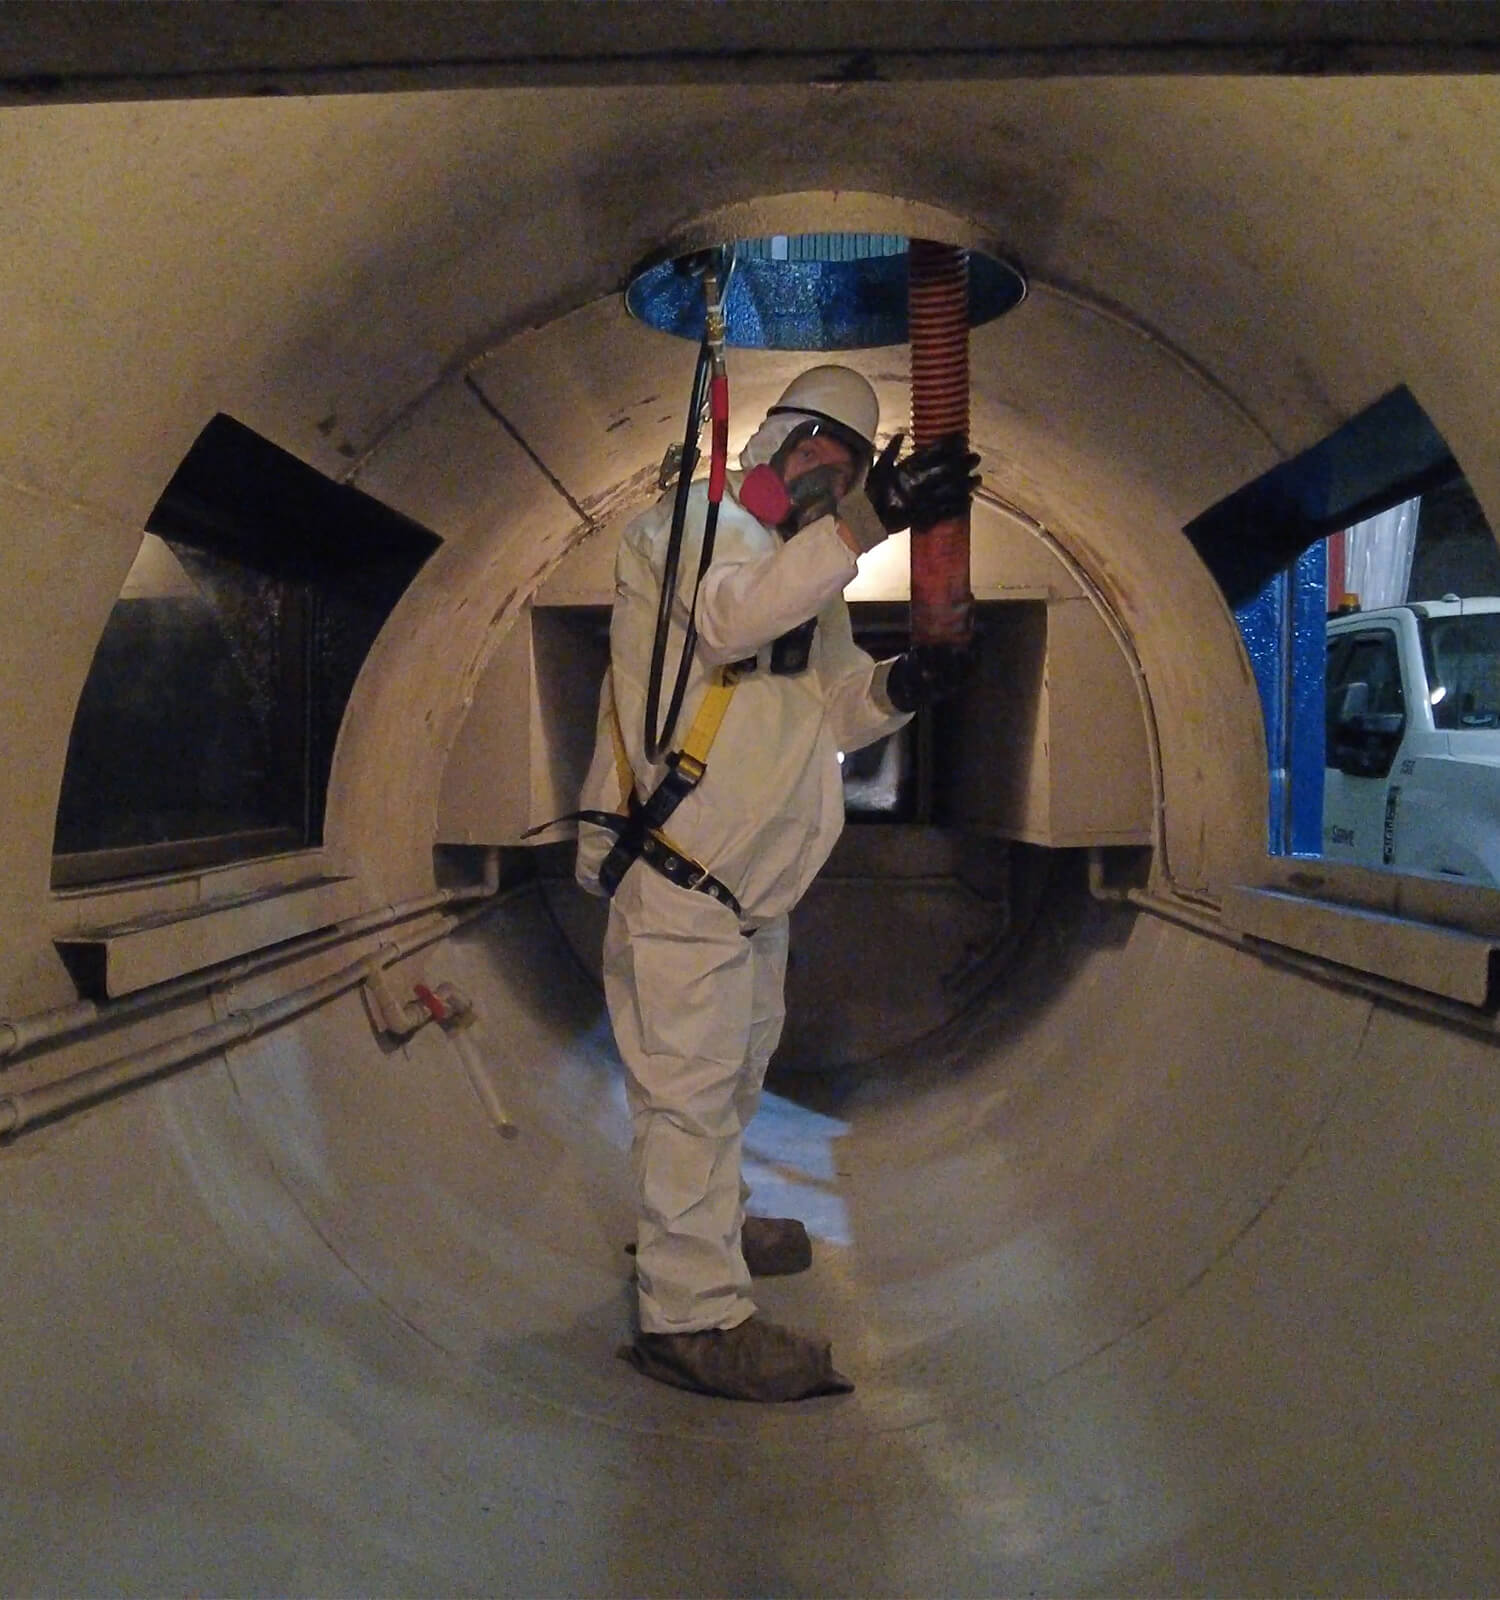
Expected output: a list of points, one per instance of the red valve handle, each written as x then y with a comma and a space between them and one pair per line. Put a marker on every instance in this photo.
435, 1007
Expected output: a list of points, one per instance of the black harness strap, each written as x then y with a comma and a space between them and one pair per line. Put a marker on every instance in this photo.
638, 835
638, 832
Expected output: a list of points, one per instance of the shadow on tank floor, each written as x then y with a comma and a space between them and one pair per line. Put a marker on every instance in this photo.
905, 931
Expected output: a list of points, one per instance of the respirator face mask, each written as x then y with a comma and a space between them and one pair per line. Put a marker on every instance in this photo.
790, 507
764, 496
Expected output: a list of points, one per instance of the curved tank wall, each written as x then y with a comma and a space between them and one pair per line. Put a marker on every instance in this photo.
1161, 1268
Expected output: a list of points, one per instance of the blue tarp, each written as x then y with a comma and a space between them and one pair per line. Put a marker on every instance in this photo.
1284, 632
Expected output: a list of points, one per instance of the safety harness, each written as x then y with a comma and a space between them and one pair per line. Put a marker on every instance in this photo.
639, 825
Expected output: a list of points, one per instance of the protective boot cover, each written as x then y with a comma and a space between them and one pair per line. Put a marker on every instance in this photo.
757, 1360
775, 1246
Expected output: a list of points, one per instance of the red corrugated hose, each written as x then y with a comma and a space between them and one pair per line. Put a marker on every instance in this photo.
942, 602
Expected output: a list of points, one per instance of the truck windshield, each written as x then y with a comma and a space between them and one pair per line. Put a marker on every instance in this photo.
1462, 655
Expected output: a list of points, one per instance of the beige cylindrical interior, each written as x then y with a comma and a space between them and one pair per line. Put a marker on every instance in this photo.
1159, 1267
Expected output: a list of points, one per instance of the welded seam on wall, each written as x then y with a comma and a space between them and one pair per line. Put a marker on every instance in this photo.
51, 76
1109, 311
1232, 1244
474, 388
56, 499
1122, 638
325, 1237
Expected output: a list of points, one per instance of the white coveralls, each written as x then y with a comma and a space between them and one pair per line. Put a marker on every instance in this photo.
695, 992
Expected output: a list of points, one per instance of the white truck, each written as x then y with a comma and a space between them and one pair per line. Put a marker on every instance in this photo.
1412, 773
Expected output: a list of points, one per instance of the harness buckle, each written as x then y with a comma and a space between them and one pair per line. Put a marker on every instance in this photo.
689, 767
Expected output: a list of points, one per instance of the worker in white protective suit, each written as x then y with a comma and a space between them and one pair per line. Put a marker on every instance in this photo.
696, 947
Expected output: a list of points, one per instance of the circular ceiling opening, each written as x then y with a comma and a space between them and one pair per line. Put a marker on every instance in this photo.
809, 291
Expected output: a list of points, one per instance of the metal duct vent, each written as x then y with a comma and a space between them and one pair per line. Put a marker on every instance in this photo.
811, 291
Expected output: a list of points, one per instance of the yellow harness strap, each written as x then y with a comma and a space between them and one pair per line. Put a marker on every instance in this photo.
705, 728
639, 824
693, 757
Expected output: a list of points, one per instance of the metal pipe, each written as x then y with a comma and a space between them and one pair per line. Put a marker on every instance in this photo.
21, 1033
1097, 886
63, 1022
942, 602
19, 1110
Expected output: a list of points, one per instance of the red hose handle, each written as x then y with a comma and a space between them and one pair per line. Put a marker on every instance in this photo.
718, 410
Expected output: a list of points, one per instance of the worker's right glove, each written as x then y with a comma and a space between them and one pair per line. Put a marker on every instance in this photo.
934, 482
927, 673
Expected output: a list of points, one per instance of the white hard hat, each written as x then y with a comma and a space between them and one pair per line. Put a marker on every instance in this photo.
835, 395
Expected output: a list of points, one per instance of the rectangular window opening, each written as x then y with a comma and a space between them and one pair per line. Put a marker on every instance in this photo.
1365, 579
205, 730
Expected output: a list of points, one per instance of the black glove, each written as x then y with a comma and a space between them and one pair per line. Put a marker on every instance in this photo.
927, 673
932, 483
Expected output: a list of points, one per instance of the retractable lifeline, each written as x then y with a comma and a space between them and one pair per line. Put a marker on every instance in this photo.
710, 367
639, 824
942, 601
